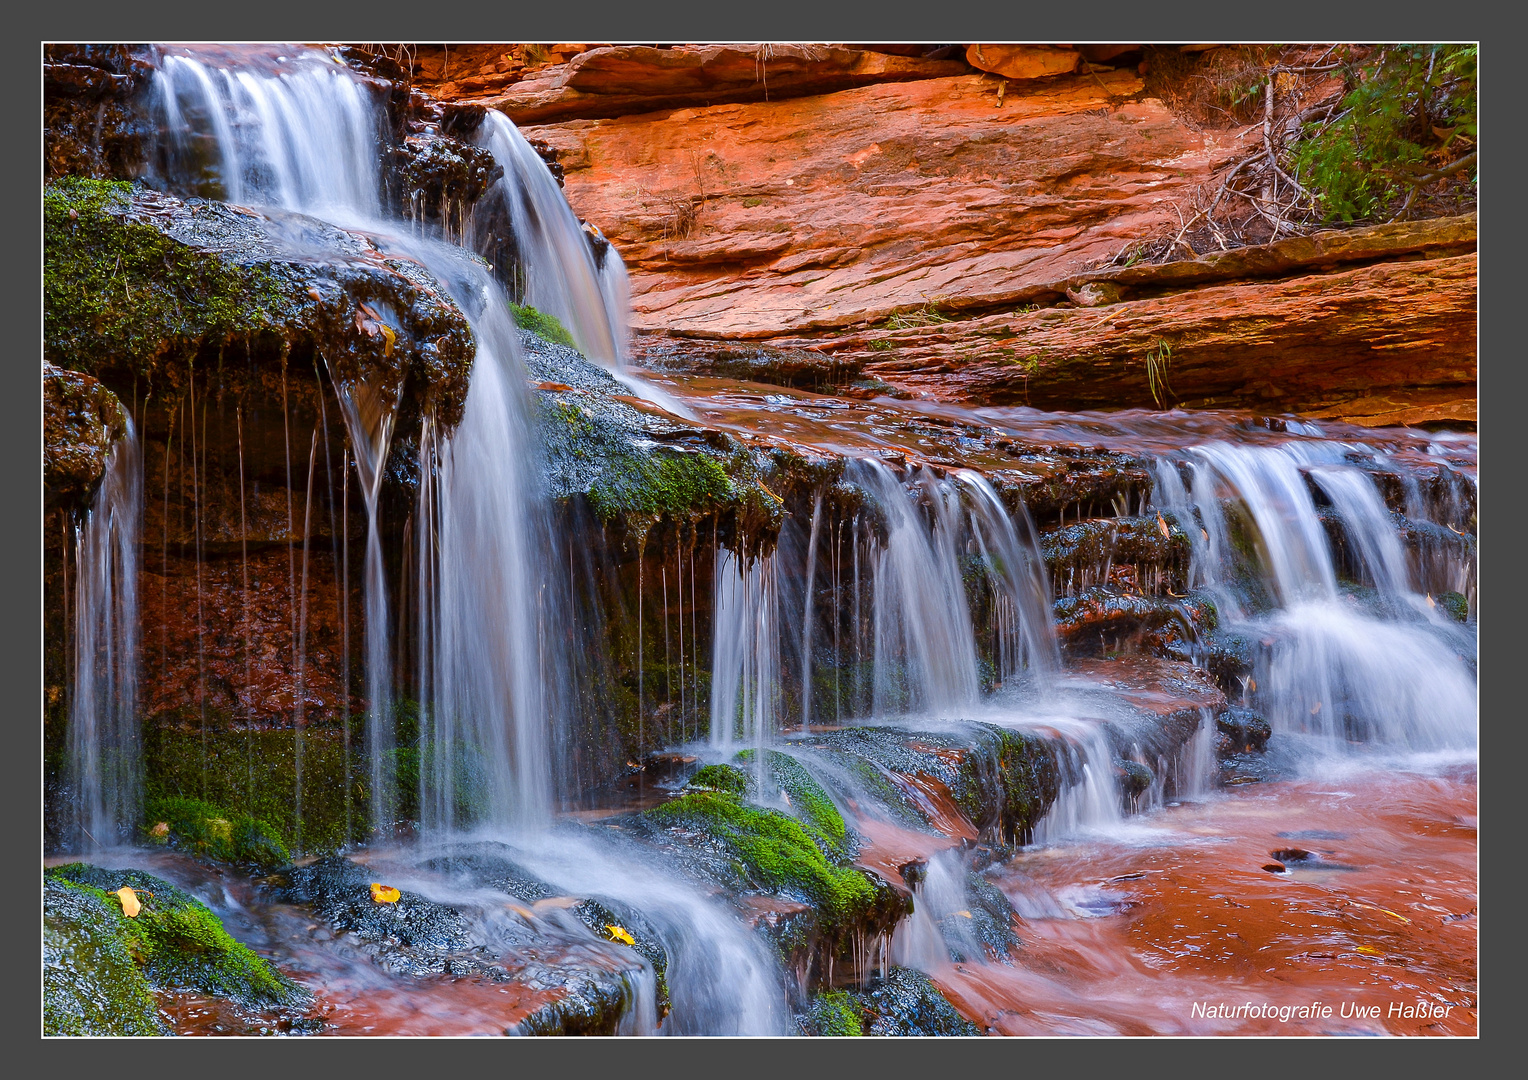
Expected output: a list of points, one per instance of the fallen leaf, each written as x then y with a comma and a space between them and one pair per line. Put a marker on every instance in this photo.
384, 894
314, 293
618, 934
388, 337
1315, 708
964, 914
130, 905
1162, 524
1369, 951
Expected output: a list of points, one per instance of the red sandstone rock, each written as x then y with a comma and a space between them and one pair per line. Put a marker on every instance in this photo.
629, 79
754, 220
1024, 61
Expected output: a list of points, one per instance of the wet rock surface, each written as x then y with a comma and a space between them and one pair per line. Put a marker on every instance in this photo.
113, 958
82, 421
906, 1002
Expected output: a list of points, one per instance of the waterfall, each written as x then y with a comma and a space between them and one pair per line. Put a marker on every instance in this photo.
745, 652
1089, 801
298, 132
1018, 578
486, 752
104, 767
568, 270
925, 647
1329, 668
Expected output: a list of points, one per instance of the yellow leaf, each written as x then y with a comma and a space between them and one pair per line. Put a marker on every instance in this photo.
964, 914
1162, 524
388, 337
618, 934
1393, 915
1369, 951
384, 894
130, 905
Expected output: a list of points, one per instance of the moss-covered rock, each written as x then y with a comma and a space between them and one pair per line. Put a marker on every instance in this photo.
832, 1014
91, 984
773, 852
1455, 605
82, 421
544, 325
809, 803
727, 779
214, 832
138, 283
177, 941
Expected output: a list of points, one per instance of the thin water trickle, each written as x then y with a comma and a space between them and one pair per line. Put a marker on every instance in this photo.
105, 767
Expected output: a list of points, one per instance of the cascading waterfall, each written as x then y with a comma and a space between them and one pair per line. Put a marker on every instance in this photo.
745, 652
583, 285
300, 136
1089, 800
925, 648
1332, 670
105, 768
486, 743
1018, 578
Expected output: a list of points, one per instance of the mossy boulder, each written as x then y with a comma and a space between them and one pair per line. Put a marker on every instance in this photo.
82, 421
1455, 605
773, 852
91, 984
139, 284
176, 940
544, 325
809, 803
832, 1014
213, 832
728, 779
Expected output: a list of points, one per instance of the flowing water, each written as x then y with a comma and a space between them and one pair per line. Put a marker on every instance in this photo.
1132, 903
105, 771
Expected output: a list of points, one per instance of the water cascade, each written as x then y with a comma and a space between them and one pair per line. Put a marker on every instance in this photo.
918, 595
1333, 670
583, 285
745, 652
105, 769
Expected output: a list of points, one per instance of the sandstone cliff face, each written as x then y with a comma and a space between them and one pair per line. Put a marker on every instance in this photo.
822, 212
910, 226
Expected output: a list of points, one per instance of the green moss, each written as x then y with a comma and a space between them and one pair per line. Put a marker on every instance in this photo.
91, 983
255, 773
1455, 605
809, 803
672, 483
209, 830
120, 292
177, 941
723, 778
542, 325
774, 851
834, 1014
